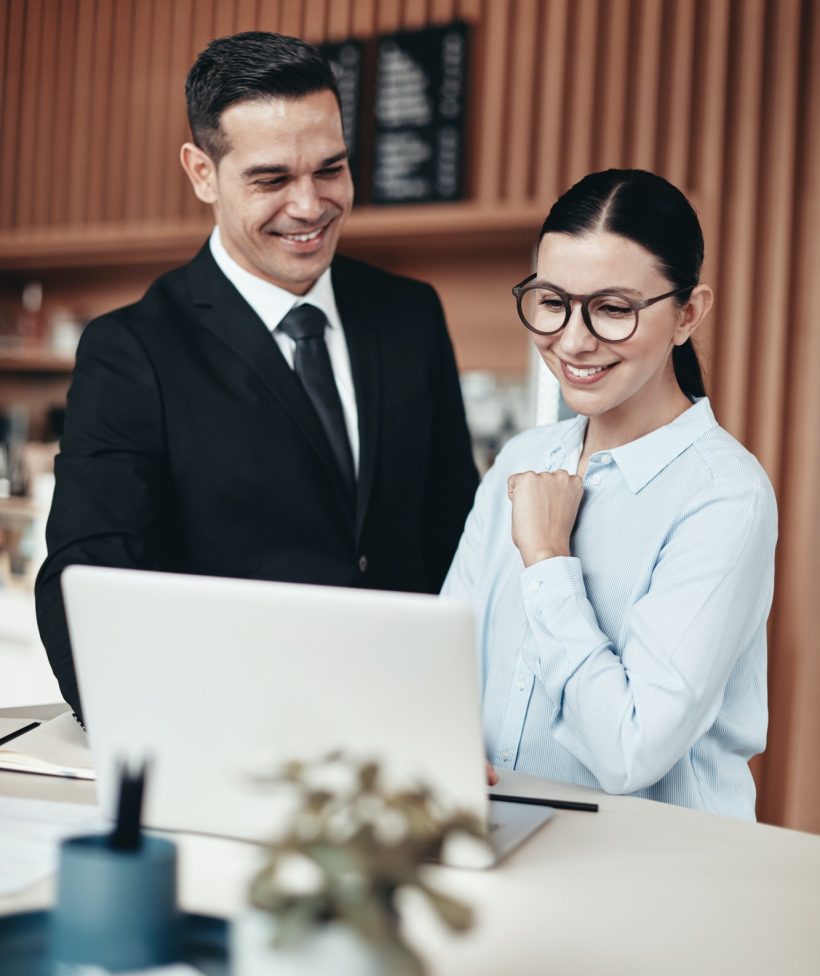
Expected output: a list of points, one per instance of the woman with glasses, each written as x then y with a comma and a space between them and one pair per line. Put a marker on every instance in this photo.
620, 564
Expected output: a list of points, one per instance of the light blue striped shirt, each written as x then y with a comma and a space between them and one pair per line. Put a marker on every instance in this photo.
637, 664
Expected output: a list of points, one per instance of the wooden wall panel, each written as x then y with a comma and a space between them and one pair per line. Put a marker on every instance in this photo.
720, 96
549, 98
738, 295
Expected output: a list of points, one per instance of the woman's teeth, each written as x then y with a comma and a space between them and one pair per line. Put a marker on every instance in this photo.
588, 371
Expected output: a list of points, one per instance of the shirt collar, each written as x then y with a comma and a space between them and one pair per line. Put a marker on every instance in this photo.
270, 302
641, 460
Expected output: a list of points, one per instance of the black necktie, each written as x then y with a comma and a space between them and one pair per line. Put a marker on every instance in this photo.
305, 324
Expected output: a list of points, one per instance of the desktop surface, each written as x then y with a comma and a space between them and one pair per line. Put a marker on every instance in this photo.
637, 888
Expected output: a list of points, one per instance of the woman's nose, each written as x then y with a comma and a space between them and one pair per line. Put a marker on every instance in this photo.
576, 337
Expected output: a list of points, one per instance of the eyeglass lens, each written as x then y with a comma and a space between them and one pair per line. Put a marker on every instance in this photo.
546, 311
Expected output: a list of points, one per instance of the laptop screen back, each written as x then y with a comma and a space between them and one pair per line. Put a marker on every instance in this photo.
214, 679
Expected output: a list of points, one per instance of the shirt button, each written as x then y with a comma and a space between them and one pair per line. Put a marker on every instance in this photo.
362, 563
605, 458
522, 685
533, 586
505, 755
595, 479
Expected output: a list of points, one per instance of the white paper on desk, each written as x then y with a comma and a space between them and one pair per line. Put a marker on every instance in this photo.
30, 833
58, 747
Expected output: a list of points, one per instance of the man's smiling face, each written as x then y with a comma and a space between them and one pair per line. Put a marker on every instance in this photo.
283, 189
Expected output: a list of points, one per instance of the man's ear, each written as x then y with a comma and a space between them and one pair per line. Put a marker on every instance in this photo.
693, 313
201, 171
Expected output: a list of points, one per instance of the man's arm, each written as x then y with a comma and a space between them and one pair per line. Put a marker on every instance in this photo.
451, 474
109, 478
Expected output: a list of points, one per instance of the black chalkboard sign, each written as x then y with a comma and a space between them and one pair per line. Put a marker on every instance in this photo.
347, 61
420, 115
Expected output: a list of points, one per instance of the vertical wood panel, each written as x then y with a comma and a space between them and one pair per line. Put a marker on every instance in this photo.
580, 107
27, 132
138, 116
644, 109
490, 98
775, 258
520, 108
739, 309
707, 155
99, 112
78, 155
176, 187
442, 12
269, 16
364, 18
248, 16
201, 34
314, 24
119, 123
56, 191
46, 150
469, 10
339, 20
291, 14
158, 154
551, 95
675, 121
609, 137
414, 14
388, 15
222, 24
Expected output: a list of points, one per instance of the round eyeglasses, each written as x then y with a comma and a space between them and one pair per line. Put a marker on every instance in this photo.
609, 315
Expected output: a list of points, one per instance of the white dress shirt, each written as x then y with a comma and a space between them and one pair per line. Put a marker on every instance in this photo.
638, 663
272, 303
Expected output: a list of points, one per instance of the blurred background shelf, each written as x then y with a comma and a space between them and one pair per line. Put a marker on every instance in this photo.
408, 228
33, 360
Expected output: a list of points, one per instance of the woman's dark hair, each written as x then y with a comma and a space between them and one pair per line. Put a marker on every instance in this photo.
650, 211
248, 67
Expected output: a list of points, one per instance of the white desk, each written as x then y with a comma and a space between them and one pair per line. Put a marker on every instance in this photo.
639, 888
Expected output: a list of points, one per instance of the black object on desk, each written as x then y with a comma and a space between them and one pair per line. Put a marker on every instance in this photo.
537, 801
18, 732
126, 834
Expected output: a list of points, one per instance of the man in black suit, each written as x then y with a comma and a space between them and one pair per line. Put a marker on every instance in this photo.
268, 411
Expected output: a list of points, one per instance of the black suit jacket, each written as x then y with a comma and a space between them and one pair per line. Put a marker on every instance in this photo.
190, 446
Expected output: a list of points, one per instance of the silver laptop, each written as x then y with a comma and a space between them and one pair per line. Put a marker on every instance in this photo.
213, 679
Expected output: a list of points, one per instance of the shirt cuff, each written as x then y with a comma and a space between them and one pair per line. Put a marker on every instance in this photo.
561, 575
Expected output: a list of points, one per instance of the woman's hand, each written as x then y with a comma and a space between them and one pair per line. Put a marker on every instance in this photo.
544, 509
492, 775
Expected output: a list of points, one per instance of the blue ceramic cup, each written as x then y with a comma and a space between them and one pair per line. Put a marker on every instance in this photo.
115, 909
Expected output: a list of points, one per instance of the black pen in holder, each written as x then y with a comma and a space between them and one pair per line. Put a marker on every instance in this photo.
116, 894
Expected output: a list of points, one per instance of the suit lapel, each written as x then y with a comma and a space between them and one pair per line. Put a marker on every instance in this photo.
227, 315
360, 318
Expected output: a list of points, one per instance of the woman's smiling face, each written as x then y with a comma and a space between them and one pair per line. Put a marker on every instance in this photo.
623, 380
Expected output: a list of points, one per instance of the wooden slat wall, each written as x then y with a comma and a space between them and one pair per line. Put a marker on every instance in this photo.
720, 96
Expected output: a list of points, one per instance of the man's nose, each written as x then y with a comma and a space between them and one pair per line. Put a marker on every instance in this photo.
575, 336
303, 201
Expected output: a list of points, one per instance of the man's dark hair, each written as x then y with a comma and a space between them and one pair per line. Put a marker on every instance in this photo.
251, 66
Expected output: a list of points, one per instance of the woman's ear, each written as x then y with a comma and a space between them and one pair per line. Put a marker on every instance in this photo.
693, 313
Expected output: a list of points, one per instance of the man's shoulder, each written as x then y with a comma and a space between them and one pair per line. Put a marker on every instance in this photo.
166, 296
369, 275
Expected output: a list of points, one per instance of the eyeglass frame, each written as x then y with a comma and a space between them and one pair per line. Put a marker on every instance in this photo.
635, 304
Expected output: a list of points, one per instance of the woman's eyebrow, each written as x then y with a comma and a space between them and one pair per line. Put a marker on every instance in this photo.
607, 289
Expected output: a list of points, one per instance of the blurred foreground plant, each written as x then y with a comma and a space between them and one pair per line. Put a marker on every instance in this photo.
351, 844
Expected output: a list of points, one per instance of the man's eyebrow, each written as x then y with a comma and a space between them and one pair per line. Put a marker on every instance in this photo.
279, 169
265, 169
334, 159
